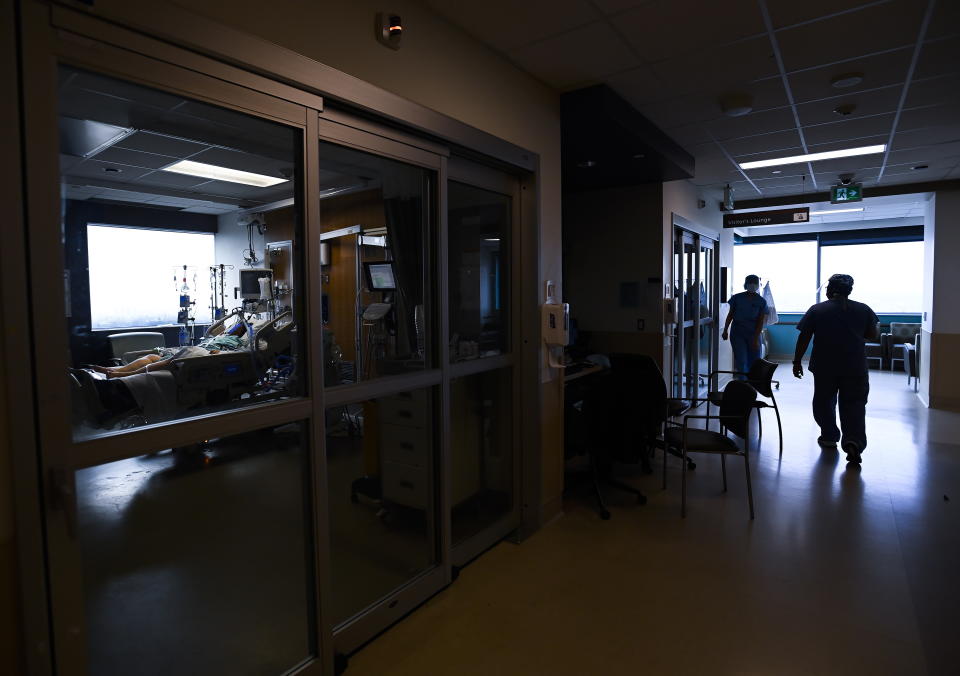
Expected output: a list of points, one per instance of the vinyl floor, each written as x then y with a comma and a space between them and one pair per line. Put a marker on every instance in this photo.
843, 571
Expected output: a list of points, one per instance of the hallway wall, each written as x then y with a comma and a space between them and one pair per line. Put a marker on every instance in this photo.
612, 239
940, 358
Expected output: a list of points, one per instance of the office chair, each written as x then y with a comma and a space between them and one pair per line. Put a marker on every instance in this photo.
760, 376
608, 432
650, 408
736, 403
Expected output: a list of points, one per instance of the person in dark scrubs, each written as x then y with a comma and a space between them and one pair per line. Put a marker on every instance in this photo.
839, 328
747, 311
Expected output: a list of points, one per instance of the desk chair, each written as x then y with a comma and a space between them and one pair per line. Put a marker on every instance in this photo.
736, 403
760, 376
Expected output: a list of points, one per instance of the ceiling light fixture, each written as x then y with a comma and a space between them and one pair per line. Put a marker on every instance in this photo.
587, 164
920, 167
836, 211
491, 239
211, 171
777, 171
846, 80
736, 104
814, 157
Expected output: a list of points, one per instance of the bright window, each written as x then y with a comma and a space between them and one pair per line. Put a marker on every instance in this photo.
888, 277
790, 267
136, 275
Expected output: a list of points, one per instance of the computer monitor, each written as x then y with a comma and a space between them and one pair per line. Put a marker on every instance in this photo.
380, 276
250, 282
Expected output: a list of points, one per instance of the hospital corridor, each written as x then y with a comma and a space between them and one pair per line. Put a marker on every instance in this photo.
552, 338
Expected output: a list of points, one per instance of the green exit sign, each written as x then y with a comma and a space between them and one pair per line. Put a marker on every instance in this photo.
841, 194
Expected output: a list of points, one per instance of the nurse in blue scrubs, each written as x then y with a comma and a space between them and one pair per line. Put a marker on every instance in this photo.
747, 311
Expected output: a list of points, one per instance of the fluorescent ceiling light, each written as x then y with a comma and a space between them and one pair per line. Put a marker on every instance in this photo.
216, 173
813, 157
491, 239
835, 211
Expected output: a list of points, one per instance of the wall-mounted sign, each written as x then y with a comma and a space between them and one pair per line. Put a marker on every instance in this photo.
775, 217
841, 194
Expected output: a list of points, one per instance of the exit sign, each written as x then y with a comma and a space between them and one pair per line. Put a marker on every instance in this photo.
841, 194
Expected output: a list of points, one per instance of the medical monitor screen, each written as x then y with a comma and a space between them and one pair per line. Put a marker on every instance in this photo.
250, 282
380, 276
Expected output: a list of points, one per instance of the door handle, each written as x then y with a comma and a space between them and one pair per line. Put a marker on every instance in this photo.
63, 496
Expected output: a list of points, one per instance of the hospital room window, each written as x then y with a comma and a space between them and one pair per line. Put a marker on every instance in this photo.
888, 276
789, 267
162, 260
183, 261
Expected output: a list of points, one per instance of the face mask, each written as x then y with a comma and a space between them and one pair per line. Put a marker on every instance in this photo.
752, 287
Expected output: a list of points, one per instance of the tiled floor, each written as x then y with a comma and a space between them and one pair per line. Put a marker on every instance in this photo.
842, 572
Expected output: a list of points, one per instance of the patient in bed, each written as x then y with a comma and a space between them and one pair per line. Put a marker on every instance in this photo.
165, 356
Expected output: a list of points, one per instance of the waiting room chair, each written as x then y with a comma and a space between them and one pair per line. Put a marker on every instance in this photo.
901, 333
736, 404
122, 344
760, 376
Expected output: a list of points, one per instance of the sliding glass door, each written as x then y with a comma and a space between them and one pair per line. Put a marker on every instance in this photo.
695, 332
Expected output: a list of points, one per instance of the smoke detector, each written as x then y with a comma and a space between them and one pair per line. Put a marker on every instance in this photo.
736, 104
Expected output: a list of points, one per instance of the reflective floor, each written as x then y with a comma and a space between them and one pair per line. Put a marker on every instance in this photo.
842, 572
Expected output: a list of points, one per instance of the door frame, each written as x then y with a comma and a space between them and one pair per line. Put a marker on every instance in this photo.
224, 60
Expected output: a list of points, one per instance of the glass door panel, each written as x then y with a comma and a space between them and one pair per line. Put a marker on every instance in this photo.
376, 215
691, 308
482, 451
198, 559
171, 207
381, 463
480, 230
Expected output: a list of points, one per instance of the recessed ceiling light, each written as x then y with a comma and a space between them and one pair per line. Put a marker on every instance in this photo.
736, 104
586, 164
836, 211
216, 173
846, 80
491, 239
813, 157
777, 171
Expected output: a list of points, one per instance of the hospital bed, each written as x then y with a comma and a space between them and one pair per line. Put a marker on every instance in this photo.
215, 379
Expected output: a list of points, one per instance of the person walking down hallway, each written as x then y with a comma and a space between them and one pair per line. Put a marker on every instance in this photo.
839, 328
747, 312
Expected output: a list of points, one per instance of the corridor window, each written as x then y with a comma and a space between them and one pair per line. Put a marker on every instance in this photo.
790, 267
888, 277
136, 275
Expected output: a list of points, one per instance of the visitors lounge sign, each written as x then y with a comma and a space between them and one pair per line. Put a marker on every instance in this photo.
775, 217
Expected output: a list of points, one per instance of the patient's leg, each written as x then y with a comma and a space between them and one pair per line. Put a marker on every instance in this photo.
156, 364
127, 369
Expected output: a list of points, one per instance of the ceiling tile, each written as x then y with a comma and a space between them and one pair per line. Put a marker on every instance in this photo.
878, 71
691, 137
638, 86
705, 105
936, 90
945, 19
135, 158
617, 6
870, 30
576, 58
783, 143
107, 170
159, 144
939, 56
866, 103
507, 25
652, 28
848, 130
947, 115
784, 14
924, 154
752, 125
718, 68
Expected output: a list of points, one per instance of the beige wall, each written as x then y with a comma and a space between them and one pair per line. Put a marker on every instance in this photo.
940, 350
